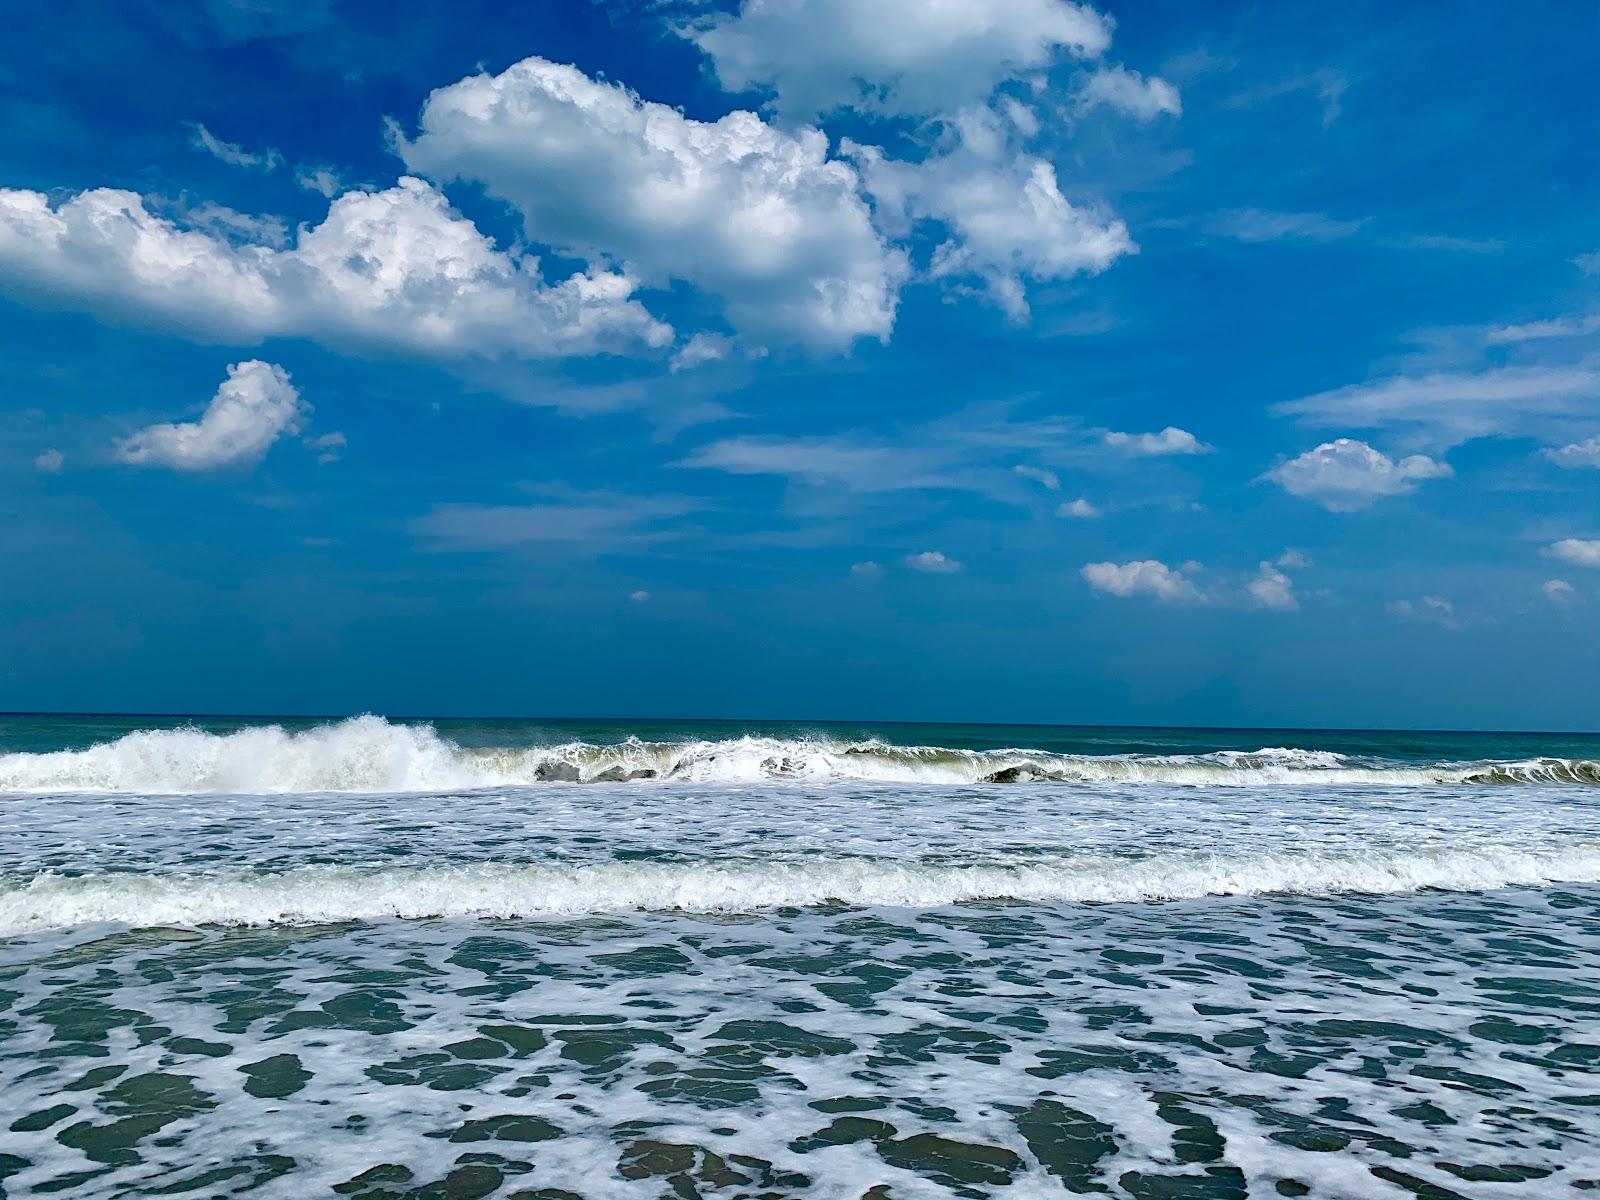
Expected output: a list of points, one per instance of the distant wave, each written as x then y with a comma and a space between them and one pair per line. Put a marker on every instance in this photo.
369, 754
316, 894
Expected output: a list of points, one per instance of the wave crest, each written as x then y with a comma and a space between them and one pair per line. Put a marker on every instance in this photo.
370, 754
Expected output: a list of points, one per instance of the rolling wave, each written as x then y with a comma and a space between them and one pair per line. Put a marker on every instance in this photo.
322, 893
370, 754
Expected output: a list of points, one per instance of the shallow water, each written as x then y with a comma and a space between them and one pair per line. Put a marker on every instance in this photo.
799, 983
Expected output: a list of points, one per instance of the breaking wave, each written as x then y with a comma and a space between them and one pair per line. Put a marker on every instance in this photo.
370, 754
323, 893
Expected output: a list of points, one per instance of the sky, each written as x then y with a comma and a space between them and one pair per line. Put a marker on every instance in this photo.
970, 360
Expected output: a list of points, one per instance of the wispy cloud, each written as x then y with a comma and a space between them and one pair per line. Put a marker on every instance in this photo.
1267, 225
1446, 408
1430, 610
594, 521
1326, 86
233, 153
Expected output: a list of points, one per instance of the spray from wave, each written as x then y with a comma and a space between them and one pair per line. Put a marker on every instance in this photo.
370, 754
324, 894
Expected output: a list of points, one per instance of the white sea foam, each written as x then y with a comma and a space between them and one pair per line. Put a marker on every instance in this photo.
371, 755
320, 893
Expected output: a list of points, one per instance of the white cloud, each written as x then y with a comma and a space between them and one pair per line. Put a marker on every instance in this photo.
324, 181
396, 271
933, 562
702, 348
232, 153
1004, 216
1589, 263
760, 217
865, 569
253, 407
1328, 86
235, 226
1271, 588
1451, 407
902, 57
639, 597
1576, 455
1263, 225
1170, 440
1147, 577
1346, 475
845, 460
326, 446
1534, 331
1079, 509
1048, 480
49, 462
1578, 551
585, 521
1129, 92
1434, 610
1559, 591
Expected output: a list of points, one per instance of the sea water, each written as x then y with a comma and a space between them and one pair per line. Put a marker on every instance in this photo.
380, 959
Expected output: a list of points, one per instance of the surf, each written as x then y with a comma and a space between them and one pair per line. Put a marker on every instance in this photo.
369, 754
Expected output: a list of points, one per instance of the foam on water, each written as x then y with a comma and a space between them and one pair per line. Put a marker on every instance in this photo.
1399, 1048
372, 755
318, 894
808, 967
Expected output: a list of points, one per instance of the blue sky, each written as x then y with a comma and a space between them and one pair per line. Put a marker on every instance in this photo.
995, 360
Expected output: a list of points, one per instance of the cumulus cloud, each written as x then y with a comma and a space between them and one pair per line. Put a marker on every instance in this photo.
1003, 214
1079, 510
232, 153
1147, 577
897, 57
49, 462
760, 217
1580, 552
1346, 475
395, 271
1170, 440
1271, 588
1576, 455
1559, 591
865, 570
1129, 92
1048, 480
933, 562
255, 405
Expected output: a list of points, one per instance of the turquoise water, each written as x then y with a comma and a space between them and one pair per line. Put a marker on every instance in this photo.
642, 959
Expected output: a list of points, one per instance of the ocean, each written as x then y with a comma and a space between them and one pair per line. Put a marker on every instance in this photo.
553, 959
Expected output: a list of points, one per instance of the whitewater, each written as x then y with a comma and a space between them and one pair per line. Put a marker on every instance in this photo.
376, 957
370, 754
